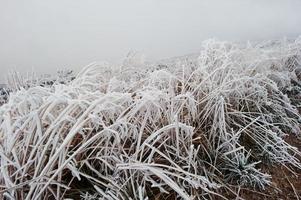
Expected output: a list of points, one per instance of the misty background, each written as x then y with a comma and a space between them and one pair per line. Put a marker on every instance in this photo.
48, 35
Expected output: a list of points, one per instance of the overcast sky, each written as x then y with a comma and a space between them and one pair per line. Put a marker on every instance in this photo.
48, 35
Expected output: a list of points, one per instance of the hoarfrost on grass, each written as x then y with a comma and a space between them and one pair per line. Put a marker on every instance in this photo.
139, 131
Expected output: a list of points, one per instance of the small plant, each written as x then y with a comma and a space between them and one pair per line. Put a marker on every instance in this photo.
241, 171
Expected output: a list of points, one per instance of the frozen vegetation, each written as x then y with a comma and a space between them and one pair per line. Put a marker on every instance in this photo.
187, 128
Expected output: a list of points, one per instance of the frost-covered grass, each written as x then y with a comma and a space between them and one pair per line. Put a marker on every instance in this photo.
16, 81
184, 128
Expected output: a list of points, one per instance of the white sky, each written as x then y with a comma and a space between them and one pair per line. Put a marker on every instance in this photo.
47, 35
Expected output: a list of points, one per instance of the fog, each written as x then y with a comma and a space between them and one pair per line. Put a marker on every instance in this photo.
47, 35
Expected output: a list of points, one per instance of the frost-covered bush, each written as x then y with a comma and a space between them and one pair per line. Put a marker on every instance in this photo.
183, 127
